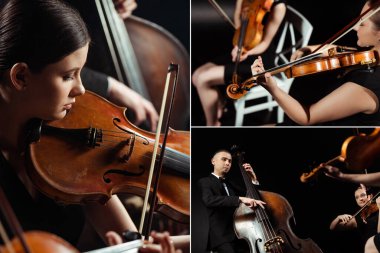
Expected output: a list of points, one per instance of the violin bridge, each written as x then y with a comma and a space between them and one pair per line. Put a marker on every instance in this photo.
369, 62
273, 242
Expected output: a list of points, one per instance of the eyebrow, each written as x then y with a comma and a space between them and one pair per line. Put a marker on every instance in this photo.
71, 70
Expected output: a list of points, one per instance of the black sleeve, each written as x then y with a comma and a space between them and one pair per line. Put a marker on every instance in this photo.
212, 199
95, 81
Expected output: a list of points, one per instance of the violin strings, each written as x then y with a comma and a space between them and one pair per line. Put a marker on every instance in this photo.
181, 162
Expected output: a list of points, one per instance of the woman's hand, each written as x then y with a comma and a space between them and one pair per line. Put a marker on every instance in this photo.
244, 54
113, 238
300, 53
266, 80
161, 244
333, 172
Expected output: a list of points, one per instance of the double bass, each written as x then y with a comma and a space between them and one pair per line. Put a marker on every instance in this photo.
137, 52
268, 230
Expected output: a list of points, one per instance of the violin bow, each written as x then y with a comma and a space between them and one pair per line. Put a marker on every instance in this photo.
357, 21
172, 68
9, 215
221, 12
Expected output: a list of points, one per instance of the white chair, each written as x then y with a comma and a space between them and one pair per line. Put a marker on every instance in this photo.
295, 34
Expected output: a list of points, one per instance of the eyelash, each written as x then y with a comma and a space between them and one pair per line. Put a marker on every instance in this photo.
68, 78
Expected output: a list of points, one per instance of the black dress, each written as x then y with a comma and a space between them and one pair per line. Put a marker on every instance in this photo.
368, 78
39, 213
368, 229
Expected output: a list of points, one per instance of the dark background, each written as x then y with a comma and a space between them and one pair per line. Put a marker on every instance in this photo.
279, 157
211, 37
173, 15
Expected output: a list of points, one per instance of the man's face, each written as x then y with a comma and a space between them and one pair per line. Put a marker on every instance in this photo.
222, 163
361, 197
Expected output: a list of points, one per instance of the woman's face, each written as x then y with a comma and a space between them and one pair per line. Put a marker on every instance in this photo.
51, 92
367, 33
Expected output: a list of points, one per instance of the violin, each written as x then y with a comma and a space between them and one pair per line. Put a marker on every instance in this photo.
268, 230
368, 211
308, 65
38, 241
27, 242
357, 153
313, 63
250, 32
95, 152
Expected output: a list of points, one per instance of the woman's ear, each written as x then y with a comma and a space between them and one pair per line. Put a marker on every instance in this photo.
18, 75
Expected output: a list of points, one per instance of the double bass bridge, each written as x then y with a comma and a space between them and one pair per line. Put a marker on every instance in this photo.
273, 243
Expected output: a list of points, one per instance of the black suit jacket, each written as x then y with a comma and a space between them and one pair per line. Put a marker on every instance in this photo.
220, 209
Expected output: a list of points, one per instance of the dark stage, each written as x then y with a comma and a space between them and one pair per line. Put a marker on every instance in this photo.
279, 157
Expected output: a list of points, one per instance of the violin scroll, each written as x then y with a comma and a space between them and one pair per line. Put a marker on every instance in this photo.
308, 176
234, 91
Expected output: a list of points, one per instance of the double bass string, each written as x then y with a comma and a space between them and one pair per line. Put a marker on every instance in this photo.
262, 216
268, 228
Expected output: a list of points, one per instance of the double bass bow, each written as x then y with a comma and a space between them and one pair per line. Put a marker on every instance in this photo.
267, 230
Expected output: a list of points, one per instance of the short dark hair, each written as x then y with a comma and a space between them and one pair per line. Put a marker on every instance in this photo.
221, 150
39, 32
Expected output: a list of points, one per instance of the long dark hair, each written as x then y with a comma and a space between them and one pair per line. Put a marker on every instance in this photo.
39, 32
